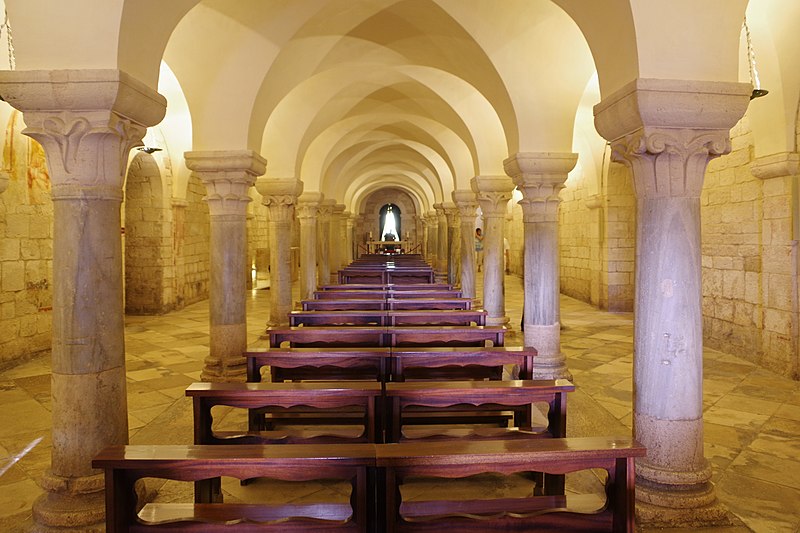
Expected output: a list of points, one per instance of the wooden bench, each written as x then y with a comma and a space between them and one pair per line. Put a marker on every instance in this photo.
554, 513
330, 364
355, 336
380, 274
411, 403
376, 304
361, 399
366, 294
407, 317
459, 362
124, 465
386, 287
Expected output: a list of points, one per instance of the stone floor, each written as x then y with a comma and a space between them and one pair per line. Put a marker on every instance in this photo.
752, 417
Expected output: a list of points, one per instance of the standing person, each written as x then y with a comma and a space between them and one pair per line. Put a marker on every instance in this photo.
506, 251
479, 248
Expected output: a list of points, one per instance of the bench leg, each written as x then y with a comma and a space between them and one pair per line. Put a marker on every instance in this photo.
208, 490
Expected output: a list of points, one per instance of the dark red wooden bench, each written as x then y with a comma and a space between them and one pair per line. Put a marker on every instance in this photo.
124, 465
322, 402
552, 513
415, 317
355, 304
463, 362
329, 364
367, 294
356, 336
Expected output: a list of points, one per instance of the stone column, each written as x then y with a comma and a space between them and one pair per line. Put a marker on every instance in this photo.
493, 194
453, 242
280, 196
335, 248
667, 131
3, 181
359, 236
433, 238
228, 177
307, 207
87, 121
467, 206
323, 241
441, 240
349, 224
540, 177
423, 237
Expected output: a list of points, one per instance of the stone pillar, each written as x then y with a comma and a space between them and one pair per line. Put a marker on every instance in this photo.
667, 131
307, 207
3, 181
423, 237
433, 239
323, 241
540, 177
453, 242
359, 239
442, 254
467, 206
228, 177
335, 248
280, 196
87, 121
349, 224
493, 194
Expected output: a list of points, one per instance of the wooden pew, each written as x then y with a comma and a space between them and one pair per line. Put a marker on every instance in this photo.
416, 317
430, 402
386, 287
345, 304
459, 362
355, 336
553, 513
368, 294
124, 465
333, 364
361, 399
398, 304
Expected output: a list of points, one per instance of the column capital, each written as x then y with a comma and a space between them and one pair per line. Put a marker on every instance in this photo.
280, 196
308, 206
780, 165
540, 176
326, 209
492, 193
668, 130
466, 203
451, 213
87, 121
228, 176
338, 209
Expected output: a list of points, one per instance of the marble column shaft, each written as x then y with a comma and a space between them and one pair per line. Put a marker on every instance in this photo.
307, 208
336, 249
467, 208
540, 177
349, 224
493, 194
323, 242
280, 197
87, 121
433, 239
228, 177
442, 248
453, 243
667, 131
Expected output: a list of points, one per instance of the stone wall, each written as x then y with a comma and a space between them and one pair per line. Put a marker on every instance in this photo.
26, 251
617, 213
191, 242
257, 241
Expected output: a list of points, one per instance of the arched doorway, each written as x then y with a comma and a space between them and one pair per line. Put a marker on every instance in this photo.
390, 222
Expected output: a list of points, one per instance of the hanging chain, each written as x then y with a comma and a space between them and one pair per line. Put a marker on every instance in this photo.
10, 38
751, 57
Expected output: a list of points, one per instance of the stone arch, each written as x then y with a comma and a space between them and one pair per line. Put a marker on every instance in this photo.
147, 235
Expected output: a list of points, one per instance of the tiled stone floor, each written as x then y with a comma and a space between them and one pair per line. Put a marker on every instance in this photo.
752, 417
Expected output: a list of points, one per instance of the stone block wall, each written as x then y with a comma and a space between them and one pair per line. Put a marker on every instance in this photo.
579, 239
732, 217
191, 241
257, 241
26, 252
618, 251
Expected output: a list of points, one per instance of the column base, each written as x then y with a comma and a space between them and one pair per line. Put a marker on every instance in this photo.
551, 363
218, 371
497, 320
70, 505
684, 509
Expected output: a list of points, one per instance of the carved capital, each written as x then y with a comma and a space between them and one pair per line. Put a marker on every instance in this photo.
280, 208
493, 194
540, 177
308, 207
467, 205
451, 214
228, 177
86, 120
669, 162
668, 130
